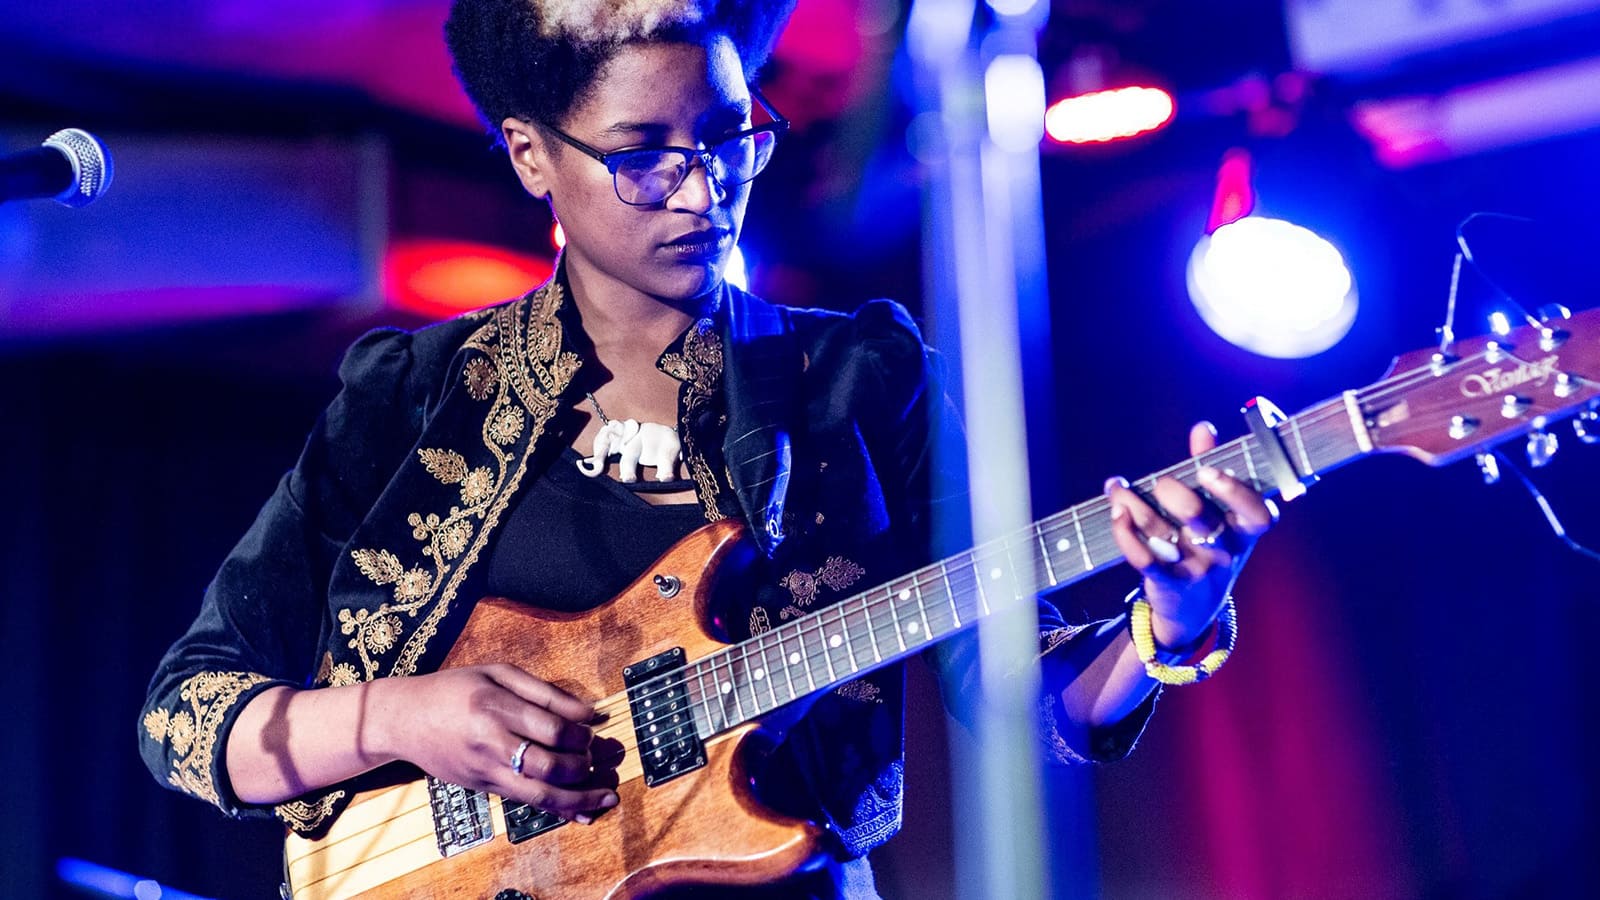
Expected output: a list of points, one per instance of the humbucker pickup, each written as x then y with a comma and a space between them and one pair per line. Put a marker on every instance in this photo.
658, 697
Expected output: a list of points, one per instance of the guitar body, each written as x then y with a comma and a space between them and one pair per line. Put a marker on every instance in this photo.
705, 827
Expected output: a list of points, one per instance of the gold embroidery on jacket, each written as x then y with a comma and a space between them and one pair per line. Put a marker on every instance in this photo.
699, 367
836, 573
481, 379
861, 691
759, 623
1055, 637
307, 816
331, 675
525, 370
534, 371
192, 732
1054, 741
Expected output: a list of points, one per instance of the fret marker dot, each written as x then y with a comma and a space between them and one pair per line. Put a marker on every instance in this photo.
1063, 544
913, 628
1229, 473
760, 674
794, 659
995, 573
835, 641
905, 594
727, 688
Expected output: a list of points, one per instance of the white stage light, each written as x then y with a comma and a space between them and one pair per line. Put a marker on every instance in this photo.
1272, 287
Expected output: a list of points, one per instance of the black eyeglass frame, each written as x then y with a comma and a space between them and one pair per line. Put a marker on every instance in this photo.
778, 127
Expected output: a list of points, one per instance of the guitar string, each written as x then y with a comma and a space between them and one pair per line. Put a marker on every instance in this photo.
915, 582
1239, 448
876, 610
1230, 453
1233, 452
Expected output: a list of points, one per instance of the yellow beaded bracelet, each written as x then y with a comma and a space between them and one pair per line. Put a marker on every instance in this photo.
1144, 643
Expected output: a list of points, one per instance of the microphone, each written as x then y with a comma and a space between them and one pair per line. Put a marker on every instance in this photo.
71, 167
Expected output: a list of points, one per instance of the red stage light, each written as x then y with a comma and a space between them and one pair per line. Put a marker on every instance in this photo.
439, 279
1109, 115
1236, 196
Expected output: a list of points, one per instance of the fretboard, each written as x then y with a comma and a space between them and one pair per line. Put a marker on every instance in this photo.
872, 629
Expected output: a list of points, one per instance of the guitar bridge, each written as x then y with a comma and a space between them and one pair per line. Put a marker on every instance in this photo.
460, 817
658, 697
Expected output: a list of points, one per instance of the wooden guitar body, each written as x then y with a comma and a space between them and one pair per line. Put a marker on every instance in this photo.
704, 827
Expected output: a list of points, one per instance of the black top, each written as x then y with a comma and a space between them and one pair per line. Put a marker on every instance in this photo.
570, 542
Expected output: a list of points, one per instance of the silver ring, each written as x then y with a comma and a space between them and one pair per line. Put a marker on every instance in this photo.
1207, 540
1165, 549
516, 757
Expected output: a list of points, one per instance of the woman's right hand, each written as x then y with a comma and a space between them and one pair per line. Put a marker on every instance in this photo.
464, 726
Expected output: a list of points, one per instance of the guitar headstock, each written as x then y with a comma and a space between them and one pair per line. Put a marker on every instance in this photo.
1492, 390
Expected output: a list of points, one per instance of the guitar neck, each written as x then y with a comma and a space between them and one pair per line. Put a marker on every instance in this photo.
877, 627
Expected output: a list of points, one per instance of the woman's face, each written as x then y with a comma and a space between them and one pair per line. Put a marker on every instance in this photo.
648, 95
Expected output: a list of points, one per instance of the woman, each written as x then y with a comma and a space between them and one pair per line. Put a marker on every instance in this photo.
446, 470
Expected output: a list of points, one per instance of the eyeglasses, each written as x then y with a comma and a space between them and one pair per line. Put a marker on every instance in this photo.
645, 176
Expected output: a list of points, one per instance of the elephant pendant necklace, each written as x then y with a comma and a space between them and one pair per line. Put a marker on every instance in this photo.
636, 444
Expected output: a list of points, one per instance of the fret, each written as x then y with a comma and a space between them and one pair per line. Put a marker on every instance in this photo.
788, 664
1294, 426
1083, 545
851, 629
805, 657
922, 610
736, 681
703, 702
950, 595
822, 644
894, 614
844, 629
966, 584
764, 672
866, 612
1250, 465
724, 686
834, 645
978, 578
1018, 586
940, 610
1044, 553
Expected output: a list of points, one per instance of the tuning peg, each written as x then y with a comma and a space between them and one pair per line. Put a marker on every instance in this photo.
1489, 466
1553, 311
1542, 447
1587, 426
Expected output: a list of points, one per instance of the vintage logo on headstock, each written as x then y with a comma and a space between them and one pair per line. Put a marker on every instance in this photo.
1499, 380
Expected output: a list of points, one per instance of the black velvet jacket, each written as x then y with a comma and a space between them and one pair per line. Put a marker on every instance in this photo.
815, 427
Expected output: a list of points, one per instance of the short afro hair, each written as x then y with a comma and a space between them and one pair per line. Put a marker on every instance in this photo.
536, 59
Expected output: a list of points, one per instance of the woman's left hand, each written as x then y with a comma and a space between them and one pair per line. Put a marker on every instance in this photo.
1188, 547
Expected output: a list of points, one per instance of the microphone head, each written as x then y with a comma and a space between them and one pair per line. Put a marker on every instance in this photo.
91, 165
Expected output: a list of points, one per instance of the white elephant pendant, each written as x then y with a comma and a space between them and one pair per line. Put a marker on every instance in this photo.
646, 444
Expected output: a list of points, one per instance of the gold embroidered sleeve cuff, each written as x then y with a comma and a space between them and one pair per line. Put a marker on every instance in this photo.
192, 732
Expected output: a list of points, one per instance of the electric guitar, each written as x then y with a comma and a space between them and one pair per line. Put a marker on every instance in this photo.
682, 703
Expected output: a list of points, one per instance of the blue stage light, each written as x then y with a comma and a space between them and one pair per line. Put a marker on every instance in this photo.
103, 881
1272, 287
